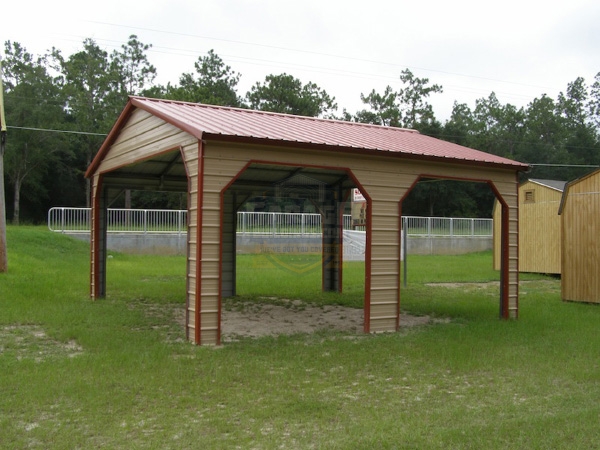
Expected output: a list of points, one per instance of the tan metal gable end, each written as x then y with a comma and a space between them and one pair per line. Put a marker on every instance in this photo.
222, 155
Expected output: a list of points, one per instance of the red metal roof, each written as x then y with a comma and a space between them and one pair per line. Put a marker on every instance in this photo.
223, 123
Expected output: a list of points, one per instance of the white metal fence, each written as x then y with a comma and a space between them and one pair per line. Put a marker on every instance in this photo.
64, 219
448, 226
75, 220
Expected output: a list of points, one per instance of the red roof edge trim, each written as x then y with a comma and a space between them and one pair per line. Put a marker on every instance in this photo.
406, 155
147, 100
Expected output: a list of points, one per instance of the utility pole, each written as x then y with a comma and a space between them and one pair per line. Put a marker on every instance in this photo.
3, 252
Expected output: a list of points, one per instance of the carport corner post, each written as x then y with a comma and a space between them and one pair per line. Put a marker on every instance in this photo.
404, 249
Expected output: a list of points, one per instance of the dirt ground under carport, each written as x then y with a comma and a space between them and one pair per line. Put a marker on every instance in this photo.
253, 320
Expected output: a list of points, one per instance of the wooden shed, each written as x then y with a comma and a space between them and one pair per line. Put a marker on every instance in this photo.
580, 218
221, 156
539, 227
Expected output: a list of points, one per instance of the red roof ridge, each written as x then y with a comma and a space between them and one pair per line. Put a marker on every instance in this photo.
270, 113
246, 125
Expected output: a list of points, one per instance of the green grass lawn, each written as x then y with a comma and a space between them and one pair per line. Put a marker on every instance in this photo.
116, 373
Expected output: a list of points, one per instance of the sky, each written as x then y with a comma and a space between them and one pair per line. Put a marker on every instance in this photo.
518, 49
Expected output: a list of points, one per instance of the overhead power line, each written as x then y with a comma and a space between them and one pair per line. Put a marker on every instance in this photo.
48, 130
310, 52
566, 165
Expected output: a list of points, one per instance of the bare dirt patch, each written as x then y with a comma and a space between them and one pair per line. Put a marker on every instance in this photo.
466, 285
253, 320
552, 284
272, 320
32, 342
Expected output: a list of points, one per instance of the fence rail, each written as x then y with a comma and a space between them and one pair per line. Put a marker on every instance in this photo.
72, 220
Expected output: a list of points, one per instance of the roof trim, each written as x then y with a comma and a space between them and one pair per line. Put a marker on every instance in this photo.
273, 135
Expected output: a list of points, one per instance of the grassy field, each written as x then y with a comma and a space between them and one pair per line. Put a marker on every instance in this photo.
117, 374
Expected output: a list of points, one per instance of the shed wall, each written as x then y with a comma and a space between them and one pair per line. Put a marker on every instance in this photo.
581, 243
539, 230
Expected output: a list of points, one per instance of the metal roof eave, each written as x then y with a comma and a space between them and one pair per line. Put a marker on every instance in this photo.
218, 137
139, 102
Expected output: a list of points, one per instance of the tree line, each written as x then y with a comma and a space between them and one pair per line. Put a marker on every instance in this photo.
60, 108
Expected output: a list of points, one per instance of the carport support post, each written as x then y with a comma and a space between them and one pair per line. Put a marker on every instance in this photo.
332, 241
99, 246
228, 244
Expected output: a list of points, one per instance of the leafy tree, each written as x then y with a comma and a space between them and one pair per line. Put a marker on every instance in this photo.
544, 139
459, 127
133, 66
3, 252
497, 128
412, 99
574, 108
594, 105
33, 100
573, 105
95, 97
448, 198
384, 110
156, 91
214, 83
286, 94
406, 108
362, 116
45, 168
136, 72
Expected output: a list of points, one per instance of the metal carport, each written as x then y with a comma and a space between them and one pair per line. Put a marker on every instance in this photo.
220, 155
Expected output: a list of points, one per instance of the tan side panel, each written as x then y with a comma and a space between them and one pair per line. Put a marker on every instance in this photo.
507, 188
510, 195
539, 229
497, 227
386, 184
385, 248
384, 180
581, 242
218, 173
190, 156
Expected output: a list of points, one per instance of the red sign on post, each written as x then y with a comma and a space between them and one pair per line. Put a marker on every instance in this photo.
359, 209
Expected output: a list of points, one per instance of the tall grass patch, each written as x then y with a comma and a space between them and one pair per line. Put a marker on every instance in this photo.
116, 373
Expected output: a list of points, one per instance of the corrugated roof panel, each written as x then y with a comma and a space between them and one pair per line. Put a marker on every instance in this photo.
201, 120
553, 184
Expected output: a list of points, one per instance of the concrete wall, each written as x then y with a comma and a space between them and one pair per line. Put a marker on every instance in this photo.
446, 245
148, 243
175, 244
